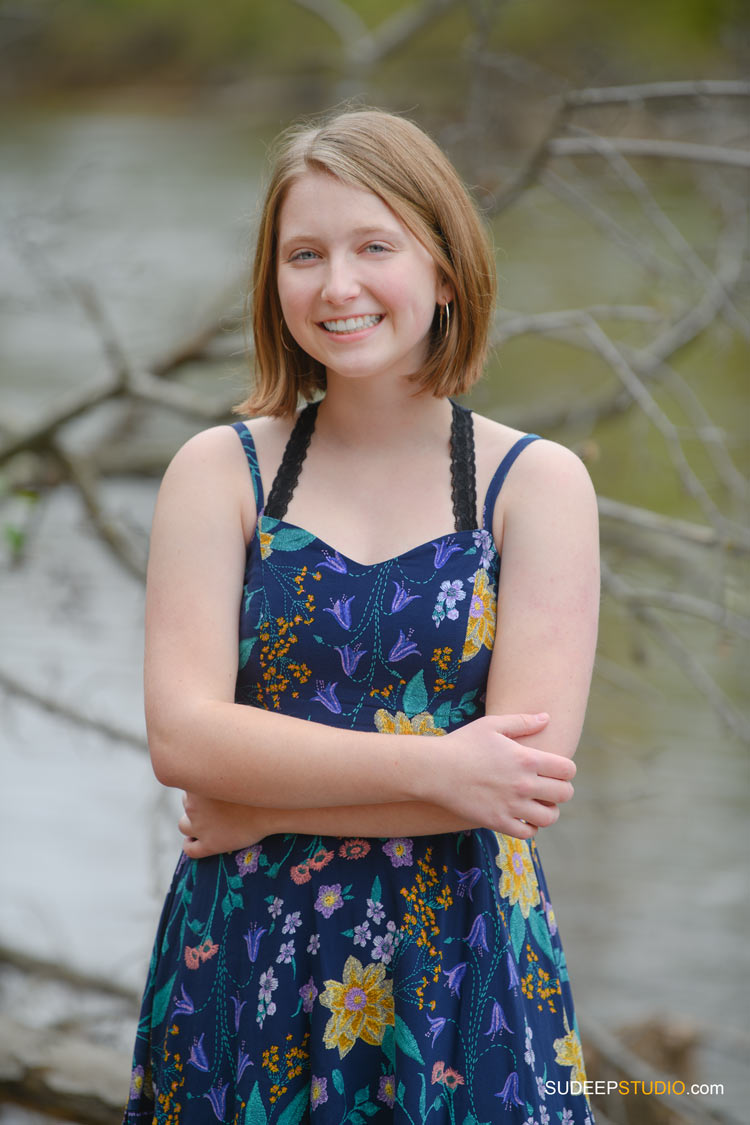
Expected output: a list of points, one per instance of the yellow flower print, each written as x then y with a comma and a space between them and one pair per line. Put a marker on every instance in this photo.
362, 1006
518, 882
568, 1052
482, 613
266, 538
400, 723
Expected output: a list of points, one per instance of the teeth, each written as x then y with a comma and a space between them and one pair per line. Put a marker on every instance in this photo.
352, 323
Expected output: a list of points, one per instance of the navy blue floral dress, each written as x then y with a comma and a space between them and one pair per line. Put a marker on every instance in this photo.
347, 980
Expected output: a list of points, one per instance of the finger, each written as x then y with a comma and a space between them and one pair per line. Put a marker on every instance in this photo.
516, 726
555, 765
541, 815
185, 827
552, 792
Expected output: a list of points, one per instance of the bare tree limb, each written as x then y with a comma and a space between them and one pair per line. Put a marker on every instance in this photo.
14, 687
646, 91
691, 667
650, 148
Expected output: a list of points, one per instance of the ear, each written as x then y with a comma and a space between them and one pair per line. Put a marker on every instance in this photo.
445, 293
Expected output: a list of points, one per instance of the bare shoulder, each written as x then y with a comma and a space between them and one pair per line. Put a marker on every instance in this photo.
543, 468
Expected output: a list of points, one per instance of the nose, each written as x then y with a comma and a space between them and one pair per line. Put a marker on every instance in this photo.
340, 283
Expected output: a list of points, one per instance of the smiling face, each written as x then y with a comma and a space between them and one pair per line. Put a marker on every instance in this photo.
358, 291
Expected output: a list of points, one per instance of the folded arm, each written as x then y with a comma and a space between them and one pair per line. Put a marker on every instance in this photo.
333, 781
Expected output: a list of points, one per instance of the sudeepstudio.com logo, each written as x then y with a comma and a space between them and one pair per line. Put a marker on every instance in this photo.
625, 1087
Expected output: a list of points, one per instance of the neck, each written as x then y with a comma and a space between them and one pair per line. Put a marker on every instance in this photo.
380, 413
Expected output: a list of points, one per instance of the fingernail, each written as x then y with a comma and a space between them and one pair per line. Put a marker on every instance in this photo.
542, 716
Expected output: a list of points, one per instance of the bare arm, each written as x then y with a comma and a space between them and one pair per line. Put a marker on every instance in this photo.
548, 599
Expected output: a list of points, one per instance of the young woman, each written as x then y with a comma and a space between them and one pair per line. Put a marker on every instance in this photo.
359, 928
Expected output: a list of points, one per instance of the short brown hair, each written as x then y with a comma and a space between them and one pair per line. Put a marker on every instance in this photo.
393, 158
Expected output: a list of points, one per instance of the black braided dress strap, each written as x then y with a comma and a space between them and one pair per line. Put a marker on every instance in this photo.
463, 469
285, 481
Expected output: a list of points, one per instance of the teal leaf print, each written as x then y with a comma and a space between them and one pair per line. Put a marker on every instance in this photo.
538, 927
517, 930
291, 539
415, 695
423, 1098
161, 1001
362, 1095
338, 1081
196, 925
442, 716
255, 1114
230, 902
246, 647
235, 882
297, 1107
388, 1046
376, 892
406, 1042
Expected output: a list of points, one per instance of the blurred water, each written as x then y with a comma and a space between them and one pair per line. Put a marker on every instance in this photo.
647, 867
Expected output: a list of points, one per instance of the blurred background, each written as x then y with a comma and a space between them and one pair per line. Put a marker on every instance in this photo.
608, 146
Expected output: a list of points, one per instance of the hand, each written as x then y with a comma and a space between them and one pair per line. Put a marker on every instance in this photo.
484, 775
211, 827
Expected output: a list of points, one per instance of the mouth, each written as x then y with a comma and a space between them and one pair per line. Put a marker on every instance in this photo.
351, 324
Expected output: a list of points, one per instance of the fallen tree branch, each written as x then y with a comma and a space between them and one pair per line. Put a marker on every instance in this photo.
616, 586
14, 687
649, 148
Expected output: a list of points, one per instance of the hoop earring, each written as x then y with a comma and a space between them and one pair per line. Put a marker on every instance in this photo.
281, 336
445, 326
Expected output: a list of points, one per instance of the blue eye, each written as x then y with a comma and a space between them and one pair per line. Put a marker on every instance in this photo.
302, 256
377, 247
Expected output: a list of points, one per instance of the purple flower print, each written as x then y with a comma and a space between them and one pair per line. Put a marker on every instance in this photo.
444, 548
318, 1091
477, 938
292, 922
498, 1022
445, 606
387, 1090
268, 984
313, 944
252, 940
375, 911
329, 899
399, 851
362, 934
485, 546
286, 952
184, 1007
467, 880
326, 695
350, 657
309, 994
136, 1082
402, 597
513, 978
247, 859
333, 562
274, 906
238, 1006
455, 976
476, 606
509, 1092
382, 948
341, 611
198, 1055
243, 1061
217, 1096
403, 647
436, 1026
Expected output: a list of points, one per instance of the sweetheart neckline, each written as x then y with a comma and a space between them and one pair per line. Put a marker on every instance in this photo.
382, 562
